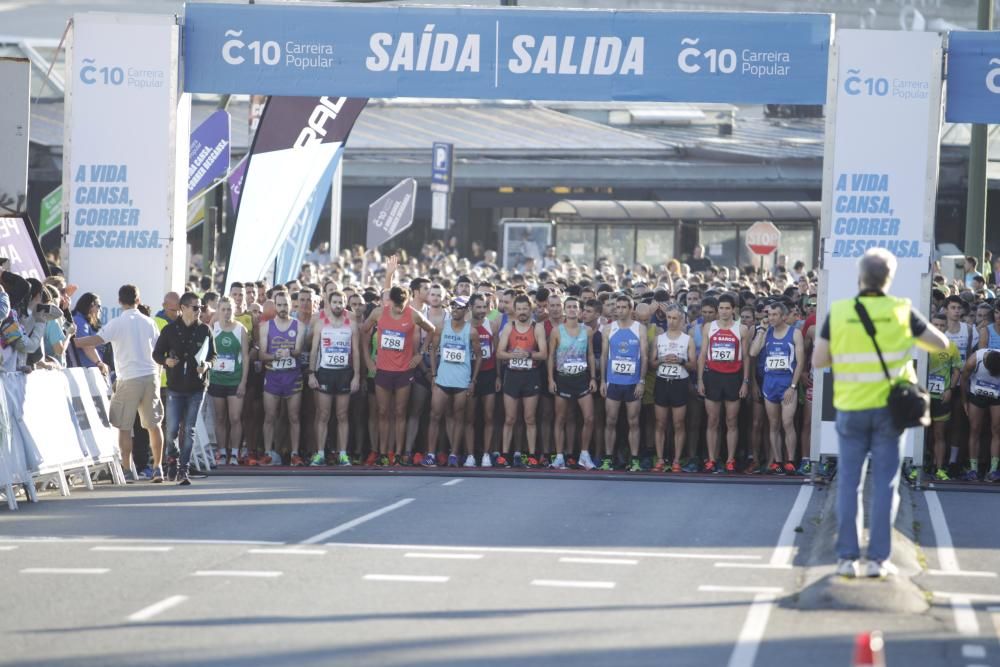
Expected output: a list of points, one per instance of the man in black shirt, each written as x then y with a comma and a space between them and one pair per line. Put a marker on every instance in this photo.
186, 348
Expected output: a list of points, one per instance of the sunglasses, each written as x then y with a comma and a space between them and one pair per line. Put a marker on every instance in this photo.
196, 309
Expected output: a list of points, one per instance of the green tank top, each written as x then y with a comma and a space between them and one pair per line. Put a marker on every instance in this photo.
227, 371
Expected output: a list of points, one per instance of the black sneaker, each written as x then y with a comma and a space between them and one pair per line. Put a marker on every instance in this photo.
171, 469
183, 479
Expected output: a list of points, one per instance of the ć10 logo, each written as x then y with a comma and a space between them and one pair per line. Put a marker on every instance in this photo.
855, 85
90, 74
993, 77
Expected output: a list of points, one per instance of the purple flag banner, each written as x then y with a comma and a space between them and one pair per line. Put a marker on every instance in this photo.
236, 182
210, 146
19, 244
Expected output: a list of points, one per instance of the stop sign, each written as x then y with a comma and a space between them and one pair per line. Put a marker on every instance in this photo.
763, 237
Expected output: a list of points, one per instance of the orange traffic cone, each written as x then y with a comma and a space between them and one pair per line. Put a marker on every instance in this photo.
869, 650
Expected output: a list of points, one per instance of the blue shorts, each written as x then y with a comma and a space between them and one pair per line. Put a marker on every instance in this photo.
622, 392
775, 385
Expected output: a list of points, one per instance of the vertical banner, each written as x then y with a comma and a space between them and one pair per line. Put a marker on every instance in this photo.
209, 156
441, 184
883, 133
51, 215
15, 116
291, 162
124, 171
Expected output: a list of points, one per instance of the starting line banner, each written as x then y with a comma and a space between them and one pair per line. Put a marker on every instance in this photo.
301, 49
974, 77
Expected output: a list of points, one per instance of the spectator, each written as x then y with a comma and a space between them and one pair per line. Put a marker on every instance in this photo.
87, 318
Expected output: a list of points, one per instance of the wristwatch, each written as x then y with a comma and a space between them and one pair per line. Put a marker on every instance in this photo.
793, 386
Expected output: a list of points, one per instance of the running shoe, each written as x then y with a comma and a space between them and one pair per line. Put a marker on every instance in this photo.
298, 461
805, 468
343, 459
452, 461
518, 463
405, 460
730, 466
848, 568
172, 469
272, 458
220, 457
970, 476
676, 467
251, 459
545, 462
417, 459
993, 476
878, 569
558, 463
318, 459
371, 459
634, 465
661, 466
470, 461
828, 468
572, 463
942, 475
244, 457
383, 461
586, 462
157, 475
486, 461
391, 459
183, 479
692, 466
147, 472
790, 468
606, 464
428, 461
235, 460
912, 475
500, 461
533, 463
775, 469
710, 466
751, 467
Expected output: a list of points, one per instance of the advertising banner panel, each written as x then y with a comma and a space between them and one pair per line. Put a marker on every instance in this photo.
973, 77
533, 54
51, 215
880, 174
15, 118
19, 244
124, 173
391, 214
210, 147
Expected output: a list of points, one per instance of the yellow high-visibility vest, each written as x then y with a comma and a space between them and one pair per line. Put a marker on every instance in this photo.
858, 380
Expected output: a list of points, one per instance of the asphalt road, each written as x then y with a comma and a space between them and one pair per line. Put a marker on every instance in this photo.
415, 570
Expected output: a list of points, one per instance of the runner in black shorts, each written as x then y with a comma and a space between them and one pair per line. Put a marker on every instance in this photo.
674, 360
487, 386
522, 345
571, 368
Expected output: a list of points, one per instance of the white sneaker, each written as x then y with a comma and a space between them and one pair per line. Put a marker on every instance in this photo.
487, 462
470, 461
275, 458
847, 568
559, 463
586, 461
879, 570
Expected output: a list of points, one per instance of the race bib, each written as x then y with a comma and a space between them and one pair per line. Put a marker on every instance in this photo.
286, 364
521, 364
779, 363
986, 389
723, 352
573, 367
453, 354
669, 372
335, 359
393, 340
224, 364
485, 348
935, 384
623, 366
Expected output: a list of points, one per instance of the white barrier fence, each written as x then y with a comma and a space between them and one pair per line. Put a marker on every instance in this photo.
53, 423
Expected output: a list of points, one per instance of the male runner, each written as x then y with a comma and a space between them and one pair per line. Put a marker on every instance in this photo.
455, 361
280, 347
522, 345
571, 379
624, 358
487, 382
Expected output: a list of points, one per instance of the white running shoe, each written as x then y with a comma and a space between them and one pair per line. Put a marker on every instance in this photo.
487, 462
470, 461
275, 458
848, 568
559, 463
586, 461
878, 570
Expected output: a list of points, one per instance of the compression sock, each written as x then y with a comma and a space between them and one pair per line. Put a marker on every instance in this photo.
954, 455
974, 465
994, 463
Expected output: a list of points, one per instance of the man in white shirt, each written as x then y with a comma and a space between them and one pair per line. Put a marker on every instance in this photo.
137, 388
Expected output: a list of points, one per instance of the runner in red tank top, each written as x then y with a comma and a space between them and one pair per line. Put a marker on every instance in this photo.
522, 346
487, 383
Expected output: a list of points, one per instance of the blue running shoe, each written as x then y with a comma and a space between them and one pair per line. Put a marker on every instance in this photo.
994, 476
429, 461
517, 460
970, 476
452, 461
692, 466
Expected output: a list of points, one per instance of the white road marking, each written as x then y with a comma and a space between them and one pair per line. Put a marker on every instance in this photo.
961, 573
354, 523
599, 561
442, 556
8, 548
530, 550
942, 536
65, 570
972, 597
965, 616
157, 608
784, 551
453, 482
565, 583
756, 566
411, 578
752, 632
132, 548
238, 573
772, 590
290, 551
112, 540
973, 651
995, 617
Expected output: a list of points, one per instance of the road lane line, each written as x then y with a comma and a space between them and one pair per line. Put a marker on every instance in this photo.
965, 616
453, 482
132, 549
8, 548
756, 566
238, 573
752, 632
772, 590
354, 523
973, 651
784, 551
599, 561
409, 578
961, 573
566, 583
443, 556
157, 608
290, 551
530, 550
972, 597
942, 536
114, 540
65, 570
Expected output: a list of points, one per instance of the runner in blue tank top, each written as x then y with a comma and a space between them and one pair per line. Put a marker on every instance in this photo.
571, 378
623, 358
989, 336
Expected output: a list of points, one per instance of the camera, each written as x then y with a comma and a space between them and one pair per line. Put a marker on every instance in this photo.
45, 312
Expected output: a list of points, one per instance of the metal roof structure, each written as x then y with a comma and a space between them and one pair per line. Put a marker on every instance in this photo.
612, 211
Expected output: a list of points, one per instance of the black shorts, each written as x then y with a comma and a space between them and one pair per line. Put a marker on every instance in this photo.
940, 411
221, 391
983, 402
451, 391
623, 393
671, 393
572, 386
334, 380
722, 386
543, 381
486, 383
521, 384
371, 385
